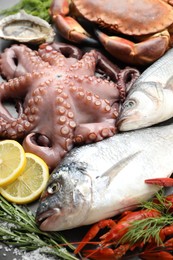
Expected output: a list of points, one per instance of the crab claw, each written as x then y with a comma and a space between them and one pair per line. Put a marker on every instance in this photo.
165, 182
71, 30
146, 51
68, 27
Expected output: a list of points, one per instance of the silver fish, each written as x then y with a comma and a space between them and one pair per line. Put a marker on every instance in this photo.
100, 180
150, 99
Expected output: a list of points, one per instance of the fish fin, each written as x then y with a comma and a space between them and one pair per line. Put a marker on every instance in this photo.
118, 167
169, 83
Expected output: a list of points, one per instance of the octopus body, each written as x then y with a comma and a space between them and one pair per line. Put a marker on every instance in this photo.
63, 97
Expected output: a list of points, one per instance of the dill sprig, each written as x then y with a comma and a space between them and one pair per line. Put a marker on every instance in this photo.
145, 229
20, 230
34, 7
159, 202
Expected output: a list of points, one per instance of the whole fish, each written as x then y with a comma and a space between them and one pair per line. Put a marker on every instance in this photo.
100, 180
150, 99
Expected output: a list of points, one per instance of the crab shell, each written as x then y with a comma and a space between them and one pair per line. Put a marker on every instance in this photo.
23, 27
130, 17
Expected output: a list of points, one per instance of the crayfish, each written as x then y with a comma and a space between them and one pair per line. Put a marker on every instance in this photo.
147, 232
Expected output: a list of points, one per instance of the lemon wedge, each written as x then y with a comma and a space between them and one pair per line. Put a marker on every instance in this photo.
30, 183
12, 161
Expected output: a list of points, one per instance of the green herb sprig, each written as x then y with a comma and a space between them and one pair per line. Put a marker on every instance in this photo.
145, 229
142, 230
34, 7
20, 230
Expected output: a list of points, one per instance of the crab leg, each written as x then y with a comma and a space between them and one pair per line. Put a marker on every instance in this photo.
136, 53
68, 26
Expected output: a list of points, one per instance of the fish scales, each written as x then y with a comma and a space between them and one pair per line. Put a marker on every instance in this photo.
149, 100
160, 70
100, 180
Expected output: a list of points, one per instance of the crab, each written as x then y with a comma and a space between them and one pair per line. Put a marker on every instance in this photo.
141, 29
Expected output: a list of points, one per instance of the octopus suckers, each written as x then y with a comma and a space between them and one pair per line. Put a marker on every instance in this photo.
59, 100
37, 100
81, 94
61, 110
27, 125
65, 130
48, 48
70, 115
20, 129
79, 139
62, 99
115, 114
72, 89
67, 105
62, 119
68, 144
105, 132
72, 124
92, 136
31, 118
59, 91
89, 98
97, 103
107, 108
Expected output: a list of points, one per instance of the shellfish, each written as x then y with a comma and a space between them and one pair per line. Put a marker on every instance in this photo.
23, 27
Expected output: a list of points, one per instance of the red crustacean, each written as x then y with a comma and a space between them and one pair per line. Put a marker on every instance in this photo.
115, 234
140, 30
112, 244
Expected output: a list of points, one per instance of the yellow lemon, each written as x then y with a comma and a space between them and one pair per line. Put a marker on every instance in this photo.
12, 161
31, 182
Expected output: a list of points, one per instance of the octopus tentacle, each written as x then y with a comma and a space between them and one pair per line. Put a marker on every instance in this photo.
54, 58
16, 87
89, 133
87, 85
126, 79
52, 155
64, 98
14, 64
86, 65
11, 90
96, 127
14, 128
59, 54
107, 68
69, 51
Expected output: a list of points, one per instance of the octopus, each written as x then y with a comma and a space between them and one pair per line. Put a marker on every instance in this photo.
63, 97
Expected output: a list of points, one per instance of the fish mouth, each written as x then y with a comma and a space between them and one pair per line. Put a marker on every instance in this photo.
127, 122
44, 217
120, 121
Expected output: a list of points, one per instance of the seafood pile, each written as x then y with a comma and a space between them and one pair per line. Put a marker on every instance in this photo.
74, 109
61, 101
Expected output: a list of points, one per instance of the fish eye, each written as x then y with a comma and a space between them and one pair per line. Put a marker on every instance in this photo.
129, 104
54, 187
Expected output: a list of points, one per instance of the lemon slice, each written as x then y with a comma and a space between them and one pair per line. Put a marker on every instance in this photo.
12, 161
31, 182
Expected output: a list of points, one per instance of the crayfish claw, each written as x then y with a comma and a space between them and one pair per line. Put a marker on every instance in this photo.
165, 182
